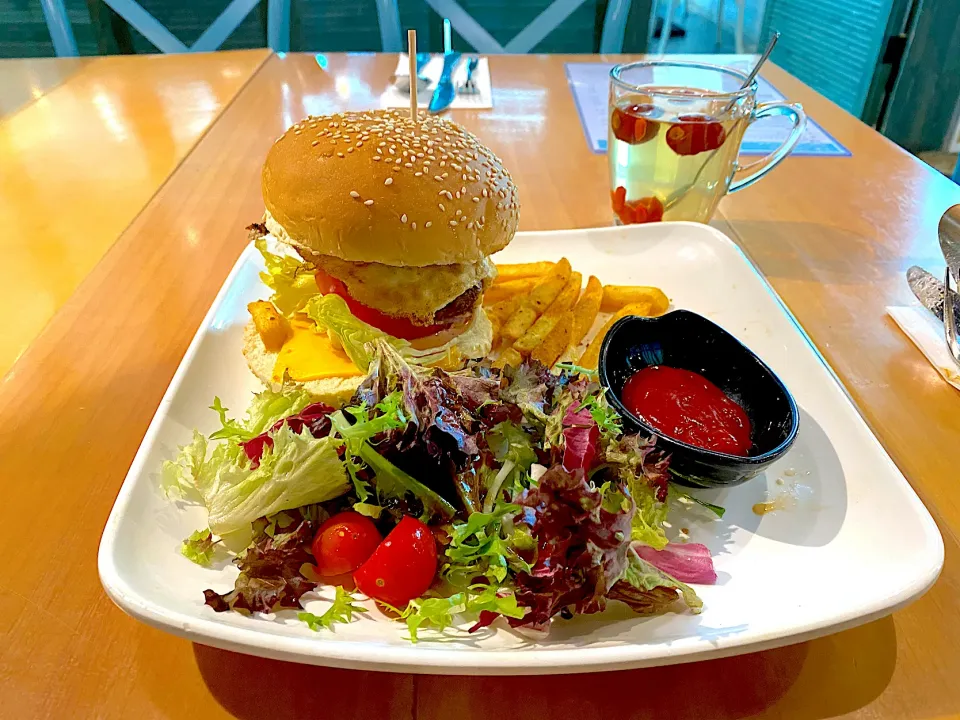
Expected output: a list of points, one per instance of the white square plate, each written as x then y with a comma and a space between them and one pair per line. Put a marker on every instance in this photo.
852, 543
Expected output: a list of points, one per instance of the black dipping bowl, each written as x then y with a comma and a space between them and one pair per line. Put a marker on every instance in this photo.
685, 340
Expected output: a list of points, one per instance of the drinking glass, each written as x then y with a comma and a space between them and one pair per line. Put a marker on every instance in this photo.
674, 138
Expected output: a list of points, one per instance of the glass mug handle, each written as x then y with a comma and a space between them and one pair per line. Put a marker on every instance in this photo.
762, 166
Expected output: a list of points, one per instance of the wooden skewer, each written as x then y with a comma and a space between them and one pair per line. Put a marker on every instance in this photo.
412, 57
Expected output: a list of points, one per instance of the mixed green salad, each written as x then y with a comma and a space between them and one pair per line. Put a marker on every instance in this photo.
482, 495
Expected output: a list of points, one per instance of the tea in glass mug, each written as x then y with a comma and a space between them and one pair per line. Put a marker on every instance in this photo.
674, 136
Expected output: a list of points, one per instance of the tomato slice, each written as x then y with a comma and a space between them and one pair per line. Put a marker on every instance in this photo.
395, 326
402, 567
344, 542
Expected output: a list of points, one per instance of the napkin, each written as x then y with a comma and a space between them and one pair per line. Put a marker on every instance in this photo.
927, 334
483, 98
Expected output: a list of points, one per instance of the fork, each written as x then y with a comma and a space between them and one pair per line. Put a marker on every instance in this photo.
470, 84
949, 322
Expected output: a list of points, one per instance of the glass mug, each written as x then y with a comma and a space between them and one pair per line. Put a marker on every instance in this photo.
674, 134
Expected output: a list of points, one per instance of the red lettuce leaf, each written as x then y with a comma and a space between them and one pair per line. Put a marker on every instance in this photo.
581, 436
270, 567
581, 546
687, 562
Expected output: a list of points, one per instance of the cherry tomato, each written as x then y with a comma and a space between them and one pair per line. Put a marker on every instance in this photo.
630, 124
695, 134
396, 326
344, 542
402, 567
617, 198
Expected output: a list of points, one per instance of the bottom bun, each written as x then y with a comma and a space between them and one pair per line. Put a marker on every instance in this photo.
473, 344
334, 391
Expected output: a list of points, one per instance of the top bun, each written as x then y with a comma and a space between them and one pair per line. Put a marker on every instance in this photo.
378, 187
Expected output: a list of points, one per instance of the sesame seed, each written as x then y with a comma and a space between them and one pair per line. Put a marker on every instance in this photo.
469, 226
442, 192
403, 219
463, 190
349, 150
484, 192
315, 143
354, 194
418, 174
376, 158
453, 223
442, 208
368, 203
458, 194
413, 226
360, 143
409, 165
339, 154
476, 199
443, 175
396, 168
448, 194
459, 213
388, 181
428, 224
437, 178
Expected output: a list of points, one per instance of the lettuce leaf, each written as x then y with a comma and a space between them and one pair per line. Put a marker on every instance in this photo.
266, 409
439, 613
477, 549
648, 589
297, 470
199, 547
341, 611
291, 280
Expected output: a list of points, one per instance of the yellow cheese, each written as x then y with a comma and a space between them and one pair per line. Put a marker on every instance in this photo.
308, 355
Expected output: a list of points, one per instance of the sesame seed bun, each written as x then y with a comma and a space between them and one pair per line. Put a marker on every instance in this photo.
378, 187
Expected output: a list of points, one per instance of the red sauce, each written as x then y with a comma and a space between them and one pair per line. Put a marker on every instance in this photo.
687, 407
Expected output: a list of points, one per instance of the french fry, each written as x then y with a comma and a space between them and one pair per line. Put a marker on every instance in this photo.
553, 345
499, 312
273, 328
585, 311
506, 290
618, 296
508, 357
522, 270
546, 322
591, 355
539, 299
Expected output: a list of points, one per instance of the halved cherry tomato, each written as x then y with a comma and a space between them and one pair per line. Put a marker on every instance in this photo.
617, 198
695, 134
630, 124
344, 542
402, 567
397, 326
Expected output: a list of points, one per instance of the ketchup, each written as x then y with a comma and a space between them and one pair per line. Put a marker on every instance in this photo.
687, 407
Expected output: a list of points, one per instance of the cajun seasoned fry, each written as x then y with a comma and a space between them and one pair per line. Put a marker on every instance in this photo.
508, 357
546, 322
273, 328
591, 355
523, 270
499, 312
539, 299
585, 311
618, 296
553, 345
506, 290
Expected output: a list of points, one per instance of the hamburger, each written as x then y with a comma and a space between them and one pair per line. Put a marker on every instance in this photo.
376, 226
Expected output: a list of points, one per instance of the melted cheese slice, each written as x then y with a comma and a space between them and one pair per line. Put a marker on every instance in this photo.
308, 355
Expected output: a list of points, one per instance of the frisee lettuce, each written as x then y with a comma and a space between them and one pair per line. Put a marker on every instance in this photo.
265, 410
341, 611
199, 547
438, 614
477, 548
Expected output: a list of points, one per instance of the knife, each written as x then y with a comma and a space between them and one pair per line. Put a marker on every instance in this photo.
929, 291
949, 232
445, 93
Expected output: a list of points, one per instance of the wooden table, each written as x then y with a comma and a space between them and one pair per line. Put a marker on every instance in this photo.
833, 236
83, 158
